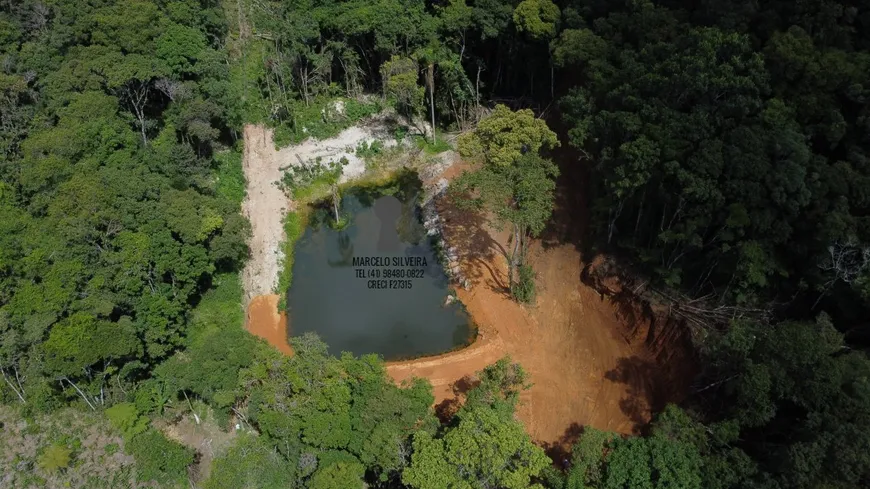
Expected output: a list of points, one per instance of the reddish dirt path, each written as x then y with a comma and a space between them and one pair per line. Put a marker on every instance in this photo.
265, 321
571, 342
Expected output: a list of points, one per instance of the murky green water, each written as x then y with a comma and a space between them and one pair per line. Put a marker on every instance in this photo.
375, 286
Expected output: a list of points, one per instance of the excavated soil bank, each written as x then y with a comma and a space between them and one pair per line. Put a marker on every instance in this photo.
587, 366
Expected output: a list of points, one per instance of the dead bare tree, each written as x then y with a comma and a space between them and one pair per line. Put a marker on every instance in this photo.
703, 312
699, 313
175, 90
845, 263
352, 73
430, 84
82, 394
135, 93
19, 391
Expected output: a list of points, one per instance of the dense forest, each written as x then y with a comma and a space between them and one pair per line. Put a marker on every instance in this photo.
722, 150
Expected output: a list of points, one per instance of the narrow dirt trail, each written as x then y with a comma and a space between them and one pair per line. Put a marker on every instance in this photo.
265, 206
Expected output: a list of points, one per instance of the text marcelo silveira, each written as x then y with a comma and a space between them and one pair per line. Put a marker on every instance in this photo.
386, 261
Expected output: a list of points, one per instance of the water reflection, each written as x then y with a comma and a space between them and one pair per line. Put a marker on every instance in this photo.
345, 249
334, 297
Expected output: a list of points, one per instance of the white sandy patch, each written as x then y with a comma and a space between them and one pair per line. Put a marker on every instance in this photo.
265, 205
343, 145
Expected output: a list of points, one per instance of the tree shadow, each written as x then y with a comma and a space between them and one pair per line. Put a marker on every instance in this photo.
559, 450
468, 230
465, 384
611, 282
641, 376
447, 409
569, 222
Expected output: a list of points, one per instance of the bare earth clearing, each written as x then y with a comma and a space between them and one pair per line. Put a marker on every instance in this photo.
583, 370
572, 342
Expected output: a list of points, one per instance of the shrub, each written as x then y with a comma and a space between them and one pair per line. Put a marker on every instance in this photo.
127, 419
400, 133
159, 458
367, 150
55, 457
250, 462
340, 224
523, 290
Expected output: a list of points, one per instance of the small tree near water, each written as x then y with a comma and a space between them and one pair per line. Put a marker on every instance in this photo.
300, 177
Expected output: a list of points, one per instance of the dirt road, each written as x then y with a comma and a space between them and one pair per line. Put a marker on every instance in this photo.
265, 206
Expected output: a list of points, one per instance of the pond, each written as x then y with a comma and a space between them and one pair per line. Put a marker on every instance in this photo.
375, 286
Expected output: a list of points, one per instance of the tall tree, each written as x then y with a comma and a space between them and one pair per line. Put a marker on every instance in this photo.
514, 184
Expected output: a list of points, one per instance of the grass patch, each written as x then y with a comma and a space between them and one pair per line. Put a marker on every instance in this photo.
229, 176
440, 145
159, 458
294, 226
35, 455
313, 190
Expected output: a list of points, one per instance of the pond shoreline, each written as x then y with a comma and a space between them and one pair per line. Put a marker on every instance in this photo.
401, 304
266, 315
571, 341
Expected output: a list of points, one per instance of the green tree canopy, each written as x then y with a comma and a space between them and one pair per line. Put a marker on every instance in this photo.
504, 136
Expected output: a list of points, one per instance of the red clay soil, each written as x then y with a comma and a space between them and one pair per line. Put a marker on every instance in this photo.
572, 342
265, 321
